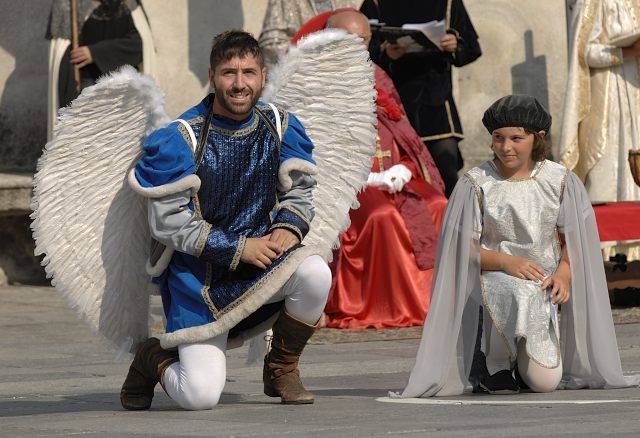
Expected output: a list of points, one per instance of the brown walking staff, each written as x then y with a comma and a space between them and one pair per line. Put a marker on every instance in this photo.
74, 39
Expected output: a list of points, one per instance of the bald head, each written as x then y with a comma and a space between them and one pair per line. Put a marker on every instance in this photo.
352, 21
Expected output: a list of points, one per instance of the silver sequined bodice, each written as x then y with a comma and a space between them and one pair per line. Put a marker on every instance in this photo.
519, 217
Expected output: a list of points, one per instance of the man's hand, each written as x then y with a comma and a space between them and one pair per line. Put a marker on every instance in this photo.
521, 268
449, 43
395, 51
284, 238
81, 56
260, 251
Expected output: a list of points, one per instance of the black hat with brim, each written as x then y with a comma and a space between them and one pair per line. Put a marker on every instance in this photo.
517, 110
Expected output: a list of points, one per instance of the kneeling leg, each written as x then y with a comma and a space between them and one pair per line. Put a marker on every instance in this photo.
537, 377
197, 381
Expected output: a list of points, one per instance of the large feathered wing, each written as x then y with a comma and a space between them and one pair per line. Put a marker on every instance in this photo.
327, 81
87, 221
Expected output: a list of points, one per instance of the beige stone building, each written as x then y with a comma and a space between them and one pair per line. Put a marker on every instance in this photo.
524, 47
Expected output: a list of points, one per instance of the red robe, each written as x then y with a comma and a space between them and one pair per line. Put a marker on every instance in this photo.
383, 269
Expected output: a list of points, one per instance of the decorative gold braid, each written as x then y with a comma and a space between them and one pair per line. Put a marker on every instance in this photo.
563, 184
202, 239
242, 241
251, 290
237, 132
185, 133
477, 189
205, 290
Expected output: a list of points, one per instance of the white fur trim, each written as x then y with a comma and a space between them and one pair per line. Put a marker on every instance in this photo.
288, 166
249, 305
162, 263
190, 182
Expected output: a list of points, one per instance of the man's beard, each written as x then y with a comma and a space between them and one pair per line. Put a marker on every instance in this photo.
244, 108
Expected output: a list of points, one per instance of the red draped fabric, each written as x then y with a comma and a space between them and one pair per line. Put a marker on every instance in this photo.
618, 221
377, 282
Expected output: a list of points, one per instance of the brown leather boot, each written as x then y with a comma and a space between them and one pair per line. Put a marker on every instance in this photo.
145, 371
280, 375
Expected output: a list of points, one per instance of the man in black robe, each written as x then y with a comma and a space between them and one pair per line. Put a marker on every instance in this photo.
423, 79
108, 39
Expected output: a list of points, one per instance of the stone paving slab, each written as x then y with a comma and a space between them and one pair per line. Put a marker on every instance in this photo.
57, 379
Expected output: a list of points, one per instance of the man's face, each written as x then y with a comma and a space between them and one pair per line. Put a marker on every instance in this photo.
238, 84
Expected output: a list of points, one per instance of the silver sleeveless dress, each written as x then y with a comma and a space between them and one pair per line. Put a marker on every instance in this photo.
520, 217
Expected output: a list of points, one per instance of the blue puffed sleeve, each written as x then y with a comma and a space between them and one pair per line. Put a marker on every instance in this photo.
167, 157
295, 142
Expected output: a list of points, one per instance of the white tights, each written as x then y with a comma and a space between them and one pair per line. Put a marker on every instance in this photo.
537, 377
197, 381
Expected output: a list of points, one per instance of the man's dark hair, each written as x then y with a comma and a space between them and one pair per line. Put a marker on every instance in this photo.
234, 43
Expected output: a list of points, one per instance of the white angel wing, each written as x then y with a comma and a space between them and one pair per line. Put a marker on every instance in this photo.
327, 80
87, 221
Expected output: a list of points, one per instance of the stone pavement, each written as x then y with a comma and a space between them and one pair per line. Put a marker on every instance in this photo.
56, 379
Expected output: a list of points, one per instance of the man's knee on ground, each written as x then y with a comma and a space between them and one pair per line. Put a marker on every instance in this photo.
202, 393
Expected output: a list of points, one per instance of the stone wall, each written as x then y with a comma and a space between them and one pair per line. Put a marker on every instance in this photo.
524, 47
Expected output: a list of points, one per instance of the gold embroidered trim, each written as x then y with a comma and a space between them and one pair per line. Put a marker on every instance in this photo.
237, 132
196, 204
563, 184
447, 107
287, 226
195, 121
448, 14
205, 289
185, 133
202, 239
478, 191
538, 167
242, 240
217, 313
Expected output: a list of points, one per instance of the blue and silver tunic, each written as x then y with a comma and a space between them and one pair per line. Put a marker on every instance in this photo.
206, 289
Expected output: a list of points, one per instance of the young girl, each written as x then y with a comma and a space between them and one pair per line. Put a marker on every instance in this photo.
519, 239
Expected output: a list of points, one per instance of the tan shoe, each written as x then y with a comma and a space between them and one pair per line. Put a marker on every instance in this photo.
144, 374
281, 375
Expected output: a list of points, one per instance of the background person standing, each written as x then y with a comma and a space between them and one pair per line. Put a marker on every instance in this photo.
423, 79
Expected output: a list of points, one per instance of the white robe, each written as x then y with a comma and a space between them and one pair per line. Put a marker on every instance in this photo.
602, 106
610, 179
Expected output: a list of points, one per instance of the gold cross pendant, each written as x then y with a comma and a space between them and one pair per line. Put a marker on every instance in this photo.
380, 154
